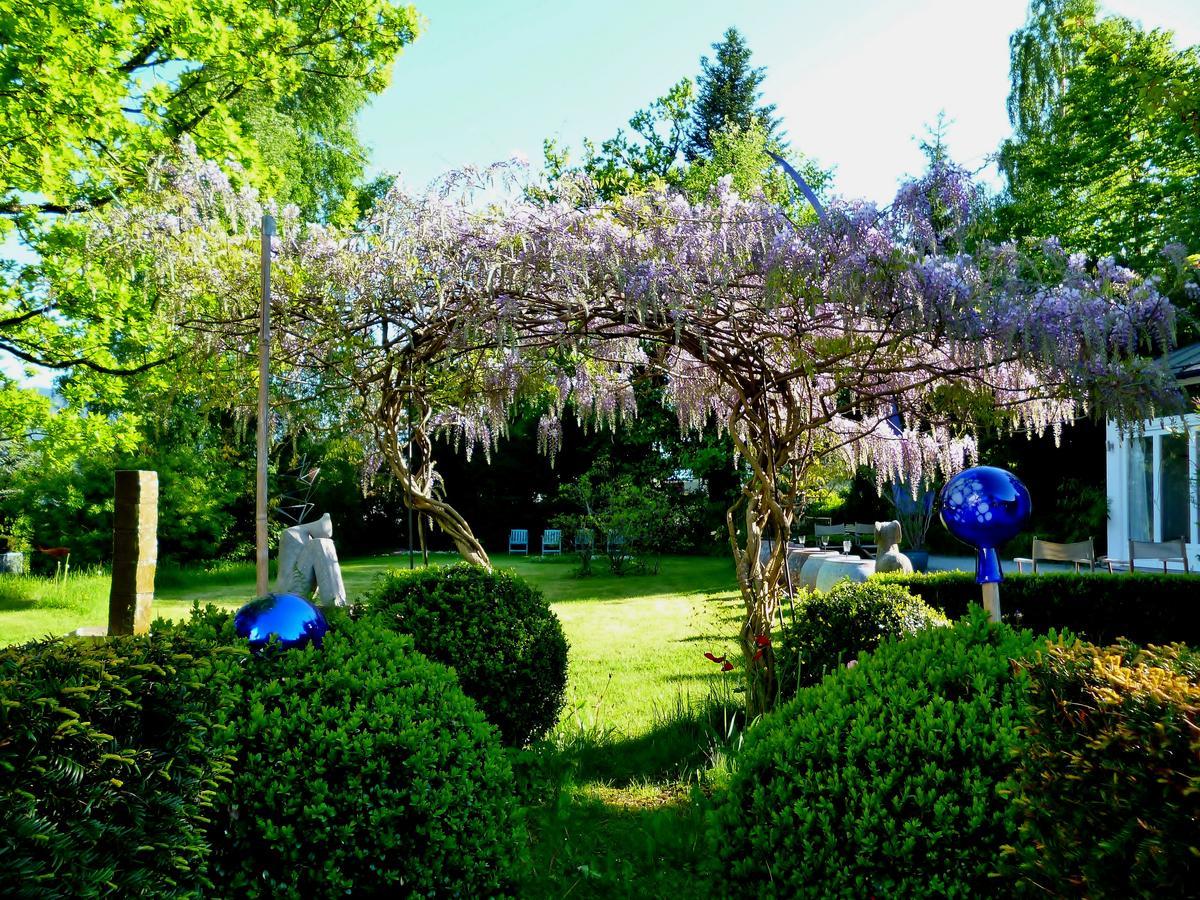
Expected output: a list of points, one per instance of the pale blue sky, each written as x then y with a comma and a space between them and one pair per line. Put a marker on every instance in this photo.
855, 81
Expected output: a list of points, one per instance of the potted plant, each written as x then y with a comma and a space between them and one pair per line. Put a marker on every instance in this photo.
914, 510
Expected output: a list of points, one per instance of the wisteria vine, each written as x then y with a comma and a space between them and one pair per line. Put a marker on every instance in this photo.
870, 335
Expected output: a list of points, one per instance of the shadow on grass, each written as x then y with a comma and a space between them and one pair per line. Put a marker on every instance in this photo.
613, 816
678, 749
587, 846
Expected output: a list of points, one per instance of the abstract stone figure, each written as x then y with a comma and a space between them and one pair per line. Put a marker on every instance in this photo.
888, 557
307, 560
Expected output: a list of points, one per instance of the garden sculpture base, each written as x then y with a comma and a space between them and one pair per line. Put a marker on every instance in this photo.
812, 568
12, 563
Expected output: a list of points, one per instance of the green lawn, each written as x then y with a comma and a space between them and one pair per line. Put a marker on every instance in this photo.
615, 797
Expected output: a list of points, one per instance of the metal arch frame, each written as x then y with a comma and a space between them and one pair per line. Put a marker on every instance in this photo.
808, 192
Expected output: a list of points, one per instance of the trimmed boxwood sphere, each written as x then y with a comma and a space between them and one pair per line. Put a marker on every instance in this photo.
884, 780
829, 629
496, 630
361, 768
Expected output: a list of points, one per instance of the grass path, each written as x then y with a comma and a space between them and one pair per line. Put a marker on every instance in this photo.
613, 804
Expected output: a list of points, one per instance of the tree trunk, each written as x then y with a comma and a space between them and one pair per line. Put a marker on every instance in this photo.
447, 518
416, 477
760, 589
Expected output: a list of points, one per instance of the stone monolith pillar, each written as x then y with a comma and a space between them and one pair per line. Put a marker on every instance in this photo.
135, 552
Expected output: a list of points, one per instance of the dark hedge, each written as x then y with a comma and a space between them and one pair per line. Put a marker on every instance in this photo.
1144, 608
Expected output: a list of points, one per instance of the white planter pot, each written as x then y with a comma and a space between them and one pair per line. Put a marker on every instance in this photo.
843, 568
812, 567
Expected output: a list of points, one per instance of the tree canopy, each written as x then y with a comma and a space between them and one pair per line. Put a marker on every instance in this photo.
441, 313
1109, 159
91, 94
1042, 53
728, 95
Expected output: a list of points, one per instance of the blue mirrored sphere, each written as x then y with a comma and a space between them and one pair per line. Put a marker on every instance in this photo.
290, 619
985, 507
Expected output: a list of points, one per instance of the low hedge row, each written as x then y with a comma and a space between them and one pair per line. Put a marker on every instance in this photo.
1144, 608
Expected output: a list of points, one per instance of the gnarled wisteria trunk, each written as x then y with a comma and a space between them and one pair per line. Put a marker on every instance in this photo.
401, 420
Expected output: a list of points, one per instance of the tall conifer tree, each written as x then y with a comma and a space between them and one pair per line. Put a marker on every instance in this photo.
728, 95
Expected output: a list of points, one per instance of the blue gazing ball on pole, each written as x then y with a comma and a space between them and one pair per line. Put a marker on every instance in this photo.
984, 507
291, 620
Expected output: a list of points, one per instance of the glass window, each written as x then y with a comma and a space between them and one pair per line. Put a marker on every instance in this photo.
1141, 488
1175, 488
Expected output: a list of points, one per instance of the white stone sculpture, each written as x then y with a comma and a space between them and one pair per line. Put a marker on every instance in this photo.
888, 557
307, 560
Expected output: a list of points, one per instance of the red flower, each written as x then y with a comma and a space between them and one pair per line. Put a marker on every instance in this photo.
757, 656
716, 659
728, 667
762, 640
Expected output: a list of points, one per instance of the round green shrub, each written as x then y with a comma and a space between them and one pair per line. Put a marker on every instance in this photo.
361, 767
497, 632
108, 753
882, 779
832, 628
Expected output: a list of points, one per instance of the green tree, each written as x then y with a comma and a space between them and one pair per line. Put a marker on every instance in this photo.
1042, 53
92, 93
743, 155
648, 155
1114, 168
728, 95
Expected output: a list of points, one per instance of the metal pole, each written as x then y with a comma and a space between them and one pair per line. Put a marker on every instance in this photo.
262, 560
408, 417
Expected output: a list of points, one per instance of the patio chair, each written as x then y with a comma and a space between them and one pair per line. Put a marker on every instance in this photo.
863, 534
551, 542
615, 541
518, 541
584, 540
1159, 551
825, 534
1080, 553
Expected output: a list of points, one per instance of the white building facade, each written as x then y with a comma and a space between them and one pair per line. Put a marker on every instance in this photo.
1154, 475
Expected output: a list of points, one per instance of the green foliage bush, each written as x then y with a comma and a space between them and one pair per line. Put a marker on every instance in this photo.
1144, 608
830, 629
882, 779
1108, 786
361, 766
108, 764
496, 630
